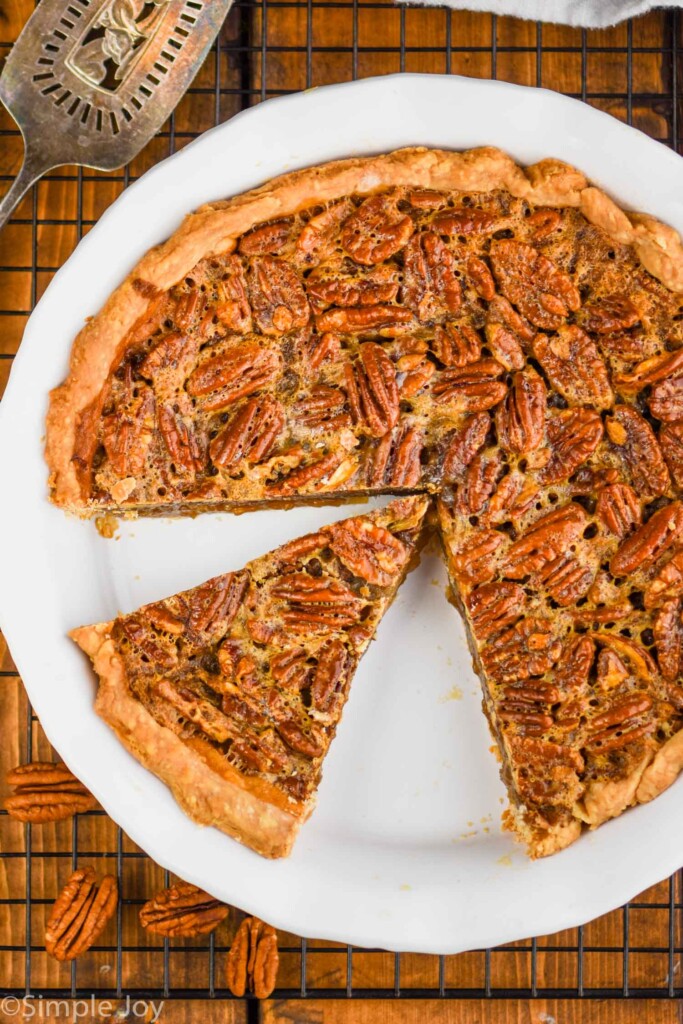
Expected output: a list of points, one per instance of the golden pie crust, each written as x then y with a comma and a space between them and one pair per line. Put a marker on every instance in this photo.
504, 338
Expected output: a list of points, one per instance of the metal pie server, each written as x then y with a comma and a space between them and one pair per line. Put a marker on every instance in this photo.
90, 81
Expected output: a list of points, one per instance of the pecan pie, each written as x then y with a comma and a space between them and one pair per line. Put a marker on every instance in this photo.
232, 692
431, 322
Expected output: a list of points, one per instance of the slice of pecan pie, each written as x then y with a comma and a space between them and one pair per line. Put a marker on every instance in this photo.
569, 573
232, 692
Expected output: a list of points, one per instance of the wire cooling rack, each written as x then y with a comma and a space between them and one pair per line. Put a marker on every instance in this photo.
268, 48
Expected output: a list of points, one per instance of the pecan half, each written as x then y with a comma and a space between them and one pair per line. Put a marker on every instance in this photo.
520, 418
167, 354
363, 319
668, 632
127, 434
609, 314
195, 709
372, 390
324, 474
456, 344
426, 198
233, 309
477, 559
467, 220
238, 371
267, 239
430, 286
323, 407
545, 540
513, 498
395, 461
637, 445
182, 910
543, 222
319, 233
573, 435
376, 287
571, 676
574, 367
277, 296
620, 724
376, 230
643, 548
250, 434
528, 707
479, 482
526, 649
495, 606
303, 737
565, 579
214, 605
330, 674
542, 292
666, 399
618, 508
253, 960
46, 792
472, 388
80, 914
160, 650
312, 603
671, 444
182, 443
368, 550
188, 310
463, 445
481, 278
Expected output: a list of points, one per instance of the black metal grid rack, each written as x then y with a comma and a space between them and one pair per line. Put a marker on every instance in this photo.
267, 48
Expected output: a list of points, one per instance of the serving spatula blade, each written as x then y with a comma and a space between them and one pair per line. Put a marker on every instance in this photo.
91, 81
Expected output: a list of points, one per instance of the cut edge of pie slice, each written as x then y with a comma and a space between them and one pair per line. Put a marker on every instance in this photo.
264, 307
231, 692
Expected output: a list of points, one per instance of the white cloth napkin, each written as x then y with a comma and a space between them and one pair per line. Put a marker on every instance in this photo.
580, 13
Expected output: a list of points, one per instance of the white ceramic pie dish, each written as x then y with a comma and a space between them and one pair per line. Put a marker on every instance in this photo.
405, 849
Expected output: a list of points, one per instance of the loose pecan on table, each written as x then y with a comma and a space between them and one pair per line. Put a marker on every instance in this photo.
182, 911
253, 960
80, 914
46, 792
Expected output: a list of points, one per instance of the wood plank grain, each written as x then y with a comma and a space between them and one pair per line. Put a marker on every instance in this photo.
472, 1011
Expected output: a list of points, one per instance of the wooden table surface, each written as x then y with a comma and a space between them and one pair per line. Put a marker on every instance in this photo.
293, 45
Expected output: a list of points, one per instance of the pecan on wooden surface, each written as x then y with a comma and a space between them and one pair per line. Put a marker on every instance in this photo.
253, 959
80, 914
46, 792
182, 911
